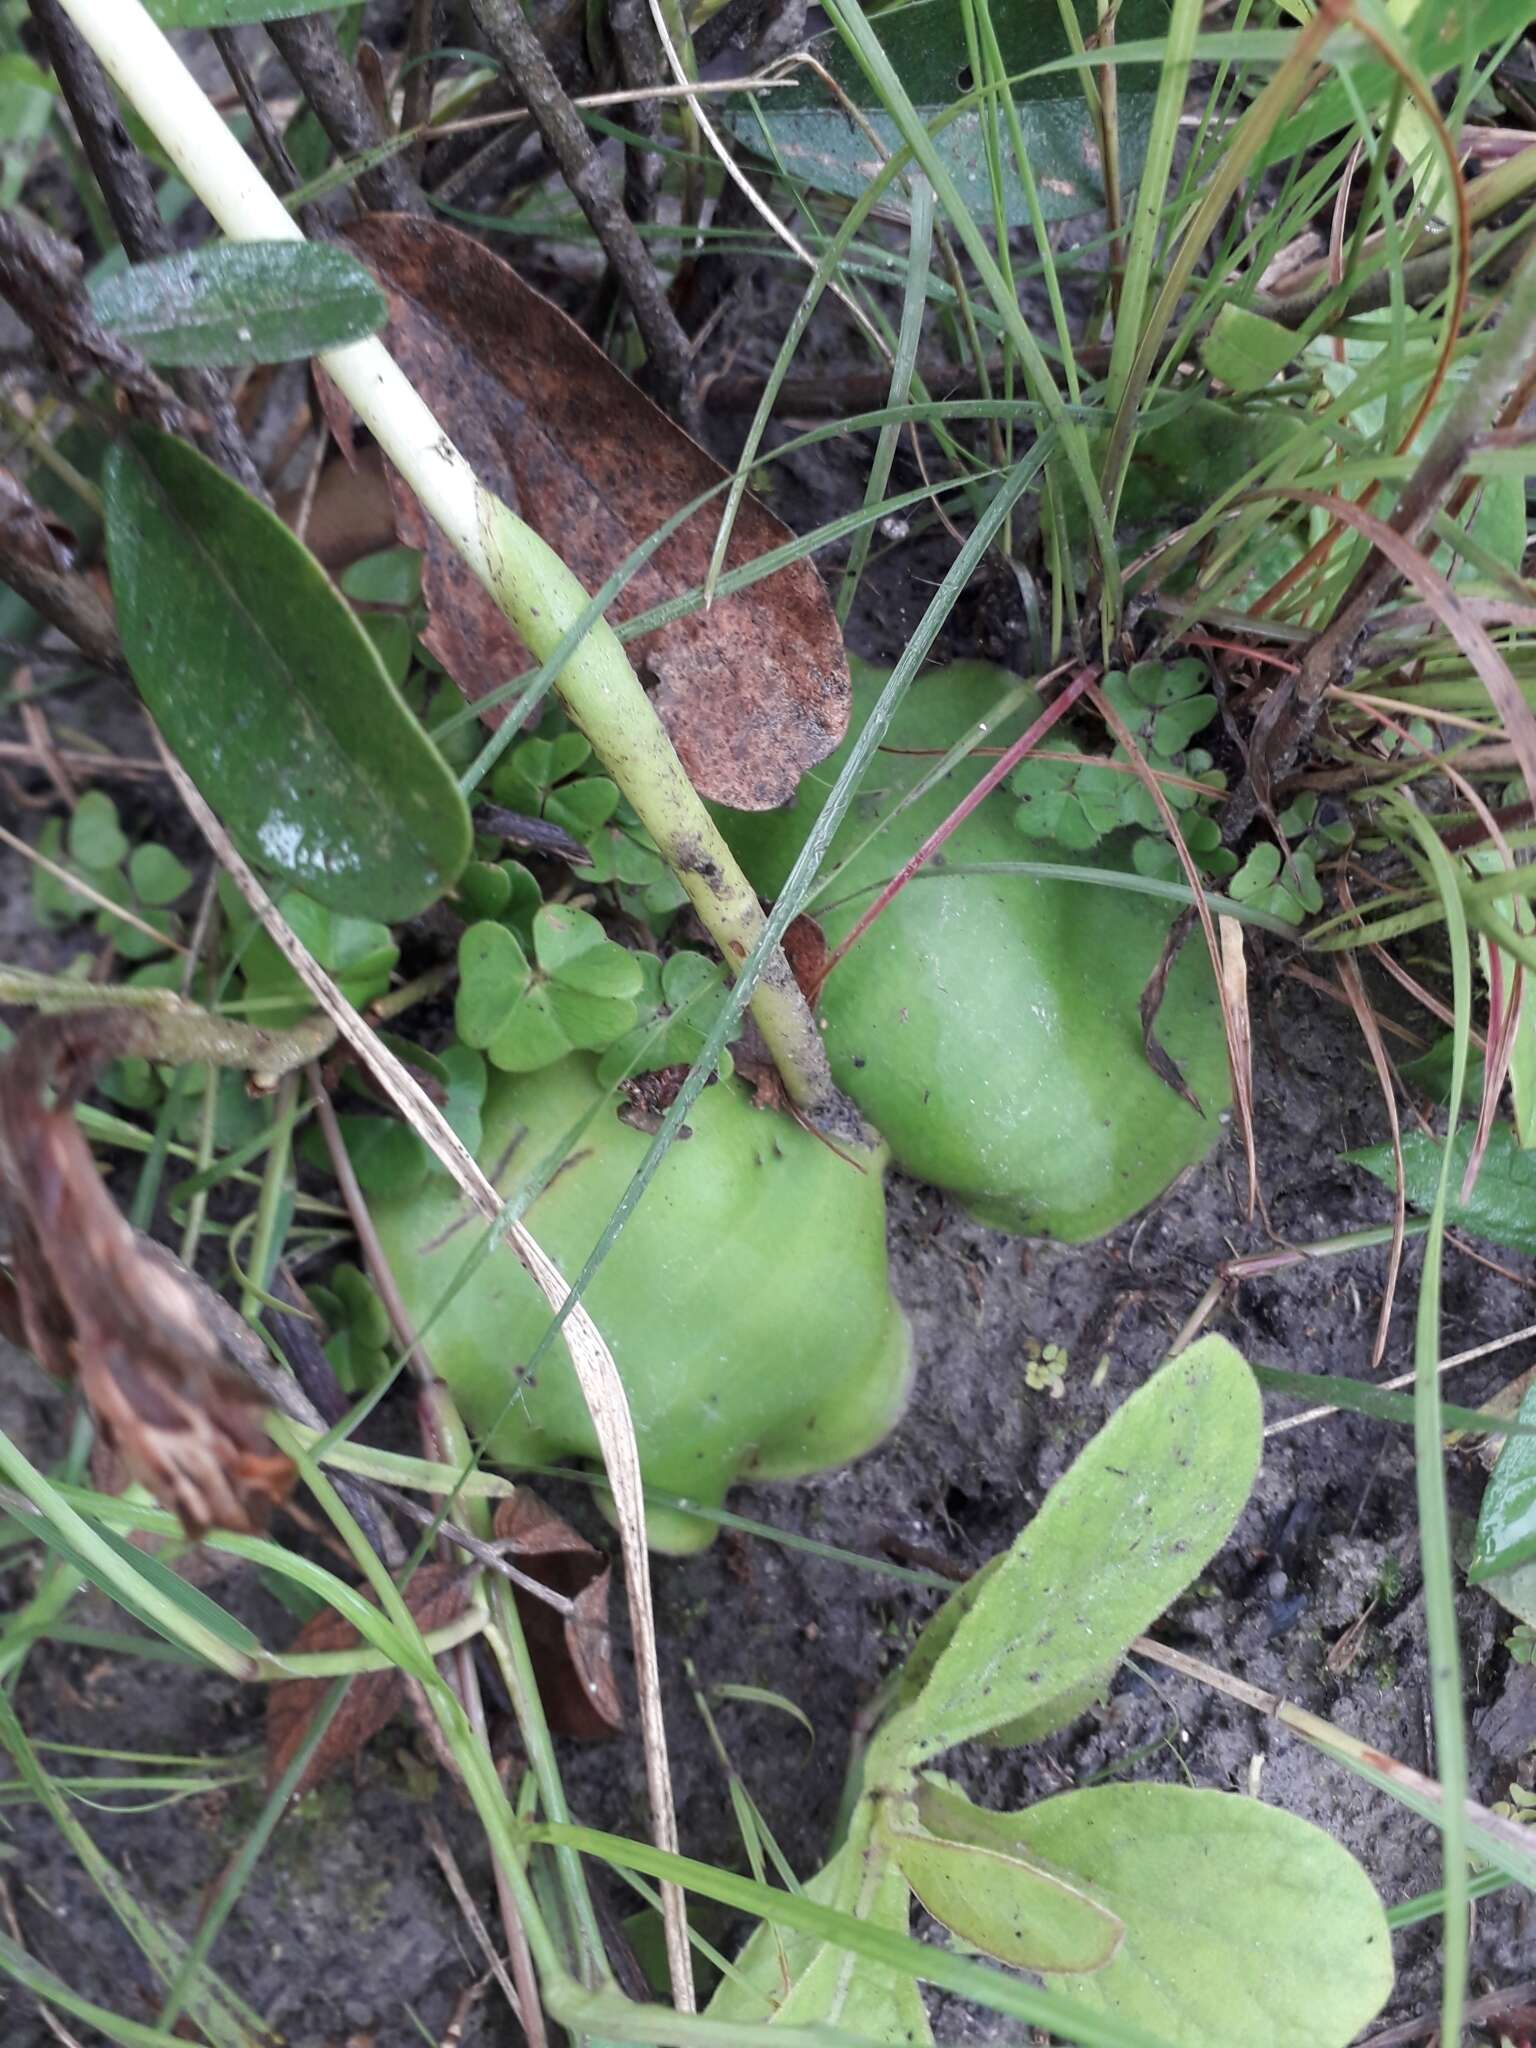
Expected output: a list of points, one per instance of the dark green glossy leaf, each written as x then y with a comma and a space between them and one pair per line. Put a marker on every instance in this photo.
266, 686
1506, 1524
1243, 1923
1119, 1536
231, 13
1503, 1204
241, 302
926, 42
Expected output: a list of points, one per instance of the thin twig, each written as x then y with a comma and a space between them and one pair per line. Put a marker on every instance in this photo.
416, 90
1489, 2007
309, 47
514, 43
284, 174
123, 176
38, 568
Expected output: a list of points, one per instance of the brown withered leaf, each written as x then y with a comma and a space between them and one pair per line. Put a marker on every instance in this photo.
436, 1595
754, 691
572, 1653
805, 948
95, 1304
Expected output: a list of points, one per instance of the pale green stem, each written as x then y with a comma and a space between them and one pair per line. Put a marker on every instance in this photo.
528, 580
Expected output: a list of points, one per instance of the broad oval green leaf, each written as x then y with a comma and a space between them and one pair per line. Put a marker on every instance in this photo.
1506, 1522
241, 302
1243, 1923
967, 1867
1502, 1207
926, 43
266, 686
1141, 1511
233, 13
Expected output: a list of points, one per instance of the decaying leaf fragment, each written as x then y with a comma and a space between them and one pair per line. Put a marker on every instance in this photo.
755, 690
93, 1303
436, 1595
573, 1653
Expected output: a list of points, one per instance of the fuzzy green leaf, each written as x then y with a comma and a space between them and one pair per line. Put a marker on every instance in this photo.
264, 683
1144, 1507
966, 1867
1243, 1923
241, 302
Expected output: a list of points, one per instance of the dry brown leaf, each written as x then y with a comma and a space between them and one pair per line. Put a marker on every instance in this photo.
95, 1305
572, 1653
437, 1594
754, 691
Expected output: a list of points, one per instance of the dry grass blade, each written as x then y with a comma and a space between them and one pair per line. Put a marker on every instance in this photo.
601, 1387
1234, 977
1365, 1016
1470, 636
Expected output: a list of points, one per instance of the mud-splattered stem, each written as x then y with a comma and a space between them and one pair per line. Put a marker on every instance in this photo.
541, 597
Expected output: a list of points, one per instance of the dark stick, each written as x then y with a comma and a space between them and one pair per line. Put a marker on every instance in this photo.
227, 43
515, 45
308, 46
123, 176
634, 37
37, 567
416, 93
40, 278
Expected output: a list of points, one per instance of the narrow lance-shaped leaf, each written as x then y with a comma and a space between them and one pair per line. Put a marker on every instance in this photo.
234, 13
267, 687
241, 302
928, 46
1118, 1537
1243, 1923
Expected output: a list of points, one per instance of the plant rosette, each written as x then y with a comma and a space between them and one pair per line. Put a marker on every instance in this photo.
746, 1301
988, 1022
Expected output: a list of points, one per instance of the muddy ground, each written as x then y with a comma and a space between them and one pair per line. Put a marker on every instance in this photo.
347, 1936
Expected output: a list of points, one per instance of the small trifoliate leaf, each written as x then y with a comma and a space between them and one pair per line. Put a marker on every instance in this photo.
493, 975
158, 877
96, 839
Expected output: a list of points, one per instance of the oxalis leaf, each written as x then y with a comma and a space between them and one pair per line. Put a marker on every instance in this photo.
269, 690
1119, 1536
927, 44
1503, 1204
241, 302
1506, 1523
1242, 1923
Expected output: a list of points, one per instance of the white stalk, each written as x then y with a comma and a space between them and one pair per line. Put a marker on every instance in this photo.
527, 579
